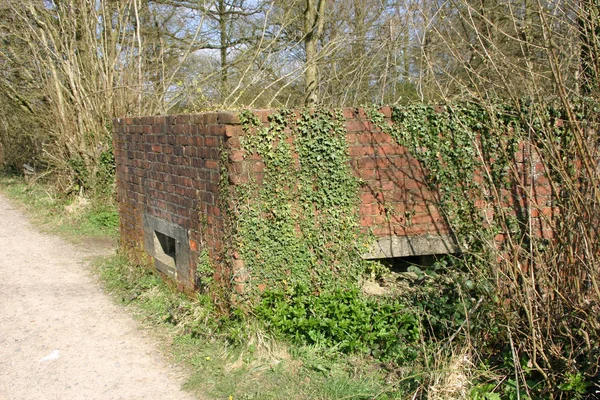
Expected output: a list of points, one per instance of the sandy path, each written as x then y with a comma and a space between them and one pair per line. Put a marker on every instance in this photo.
61, 337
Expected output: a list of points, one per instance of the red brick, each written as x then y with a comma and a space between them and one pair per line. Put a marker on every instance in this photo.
369, 174
263, 115
360, 113
359, 151
210, 118
386, 111
411, 184
358, 126
367, 163
349, 113
353, 138
216, 211
211, 141
367, 198
233, 130
543, 190
233, 143
365, 209
381, 231
366, 221
387, 185
228, 118
183, 119
213, 153
197, 119
389, 148
236, 155
213, 164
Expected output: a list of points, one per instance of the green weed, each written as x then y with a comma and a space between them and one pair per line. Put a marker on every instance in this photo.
343, 319
76, 218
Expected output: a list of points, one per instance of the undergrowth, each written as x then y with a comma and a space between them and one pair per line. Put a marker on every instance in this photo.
74, 217
343, 319
535, 291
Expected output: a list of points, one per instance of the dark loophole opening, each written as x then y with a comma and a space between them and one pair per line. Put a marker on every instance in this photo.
401, 264
167, 244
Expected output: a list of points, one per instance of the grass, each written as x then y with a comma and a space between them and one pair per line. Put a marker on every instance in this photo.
225, 358
76, 218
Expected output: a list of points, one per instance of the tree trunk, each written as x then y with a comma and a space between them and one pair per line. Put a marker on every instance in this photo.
313, 29
223, 49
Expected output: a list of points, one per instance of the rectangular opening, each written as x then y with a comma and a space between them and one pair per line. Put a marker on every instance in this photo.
165, 249
168, 244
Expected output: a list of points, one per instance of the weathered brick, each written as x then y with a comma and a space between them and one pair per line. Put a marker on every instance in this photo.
364, 150
228, 118
212, 164
263, 115
359, 126
233, 131
236, 155
349, 113
386, 111
211, 141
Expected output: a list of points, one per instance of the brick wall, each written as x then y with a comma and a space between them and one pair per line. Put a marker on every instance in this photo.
395, 199
168, 170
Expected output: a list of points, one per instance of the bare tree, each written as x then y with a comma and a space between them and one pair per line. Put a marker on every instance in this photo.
314, 20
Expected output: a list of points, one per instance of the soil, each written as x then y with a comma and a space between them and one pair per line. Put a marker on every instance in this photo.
61, 336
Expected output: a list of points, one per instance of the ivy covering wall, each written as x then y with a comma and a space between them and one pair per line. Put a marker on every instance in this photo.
300, 224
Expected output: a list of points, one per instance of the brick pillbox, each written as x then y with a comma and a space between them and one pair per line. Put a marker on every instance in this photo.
168, 171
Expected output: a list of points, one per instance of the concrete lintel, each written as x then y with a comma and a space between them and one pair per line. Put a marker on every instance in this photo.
406, 246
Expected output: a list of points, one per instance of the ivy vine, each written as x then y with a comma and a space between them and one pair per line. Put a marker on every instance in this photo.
465, 158
300, 224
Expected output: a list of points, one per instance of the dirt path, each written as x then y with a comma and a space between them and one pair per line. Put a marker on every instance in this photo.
61, 337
